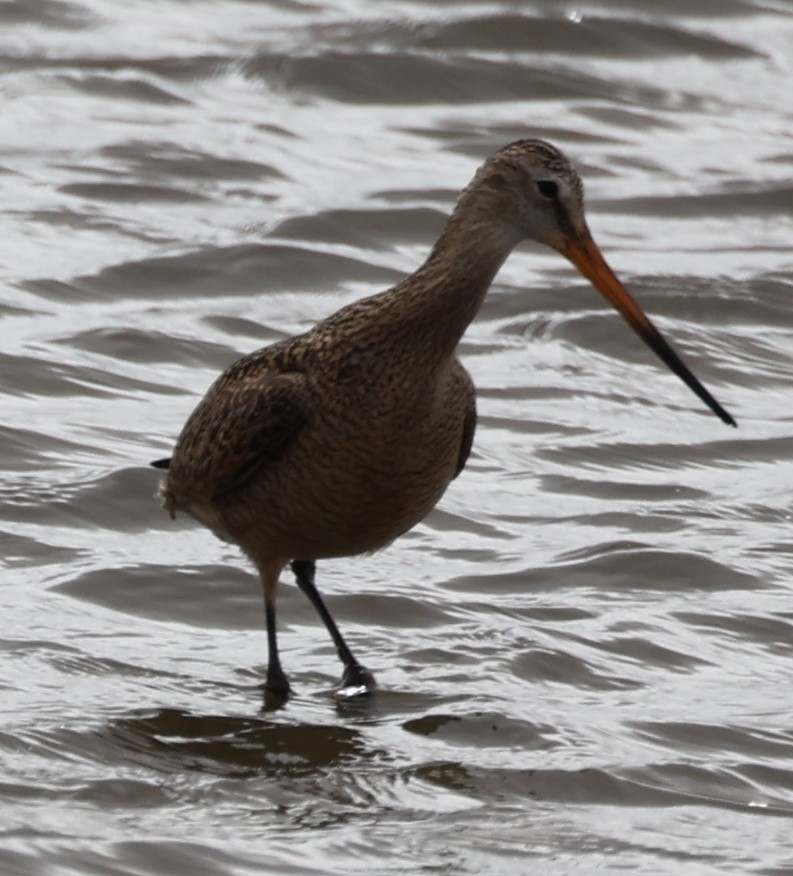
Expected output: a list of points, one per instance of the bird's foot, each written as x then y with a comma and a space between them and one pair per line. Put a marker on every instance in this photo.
357, 681
276, 688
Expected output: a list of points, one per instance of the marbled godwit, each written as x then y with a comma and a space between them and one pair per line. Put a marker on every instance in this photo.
335, 442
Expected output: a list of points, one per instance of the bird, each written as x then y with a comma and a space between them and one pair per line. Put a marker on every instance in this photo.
335, 442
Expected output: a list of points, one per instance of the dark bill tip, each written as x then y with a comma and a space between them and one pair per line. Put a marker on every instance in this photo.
586, 256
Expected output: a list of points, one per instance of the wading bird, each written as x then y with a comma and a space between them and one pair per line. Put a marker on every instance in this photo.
337, 441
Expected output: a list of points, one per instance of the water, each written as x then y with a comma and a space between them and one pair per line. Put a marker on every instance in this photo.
584, 653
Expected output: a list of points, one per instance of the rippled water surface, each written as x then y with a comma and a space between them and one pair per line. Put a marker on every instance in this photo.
585, 653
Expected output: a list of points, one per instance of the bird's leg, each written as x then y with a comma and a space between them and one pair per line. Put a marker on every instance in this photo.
354, 675
276, 683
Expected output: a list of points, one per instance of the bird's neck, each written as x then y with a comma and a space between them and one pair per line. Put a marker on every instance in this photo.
436, 304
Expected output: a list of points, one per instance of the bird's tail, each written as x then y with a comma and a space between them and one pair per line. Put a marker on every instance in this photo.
168, 498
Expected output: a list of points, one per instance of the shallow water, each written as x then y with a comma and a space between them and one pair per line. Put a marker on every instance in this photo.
584, 654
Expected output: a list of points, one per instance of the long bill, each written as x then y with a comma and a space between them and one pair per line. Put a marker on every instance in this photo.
586, 256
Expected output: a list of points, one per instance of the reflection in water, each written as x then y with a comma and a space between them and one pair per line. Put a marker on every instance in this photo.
172, 740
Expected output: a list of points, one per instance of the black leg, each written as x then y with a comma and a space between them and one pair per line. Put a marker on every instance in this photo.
277, 682
354, 675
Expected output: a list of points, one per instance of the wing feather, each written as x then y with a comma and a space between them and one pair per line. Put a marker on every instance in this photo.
244, 422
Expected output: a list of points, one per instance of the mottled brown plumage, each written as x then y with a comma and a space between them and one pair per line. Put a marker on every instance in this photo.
335, 442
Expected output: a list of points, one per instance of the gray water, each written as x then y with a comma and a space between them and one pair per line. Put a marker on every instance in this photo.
585, 653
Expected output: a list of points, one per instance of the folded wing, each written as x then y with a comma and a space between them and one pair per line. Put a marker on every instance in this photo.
243, 423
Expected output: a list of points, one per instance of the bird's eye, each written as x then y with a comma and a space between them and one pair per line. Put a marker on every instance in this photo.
548, 188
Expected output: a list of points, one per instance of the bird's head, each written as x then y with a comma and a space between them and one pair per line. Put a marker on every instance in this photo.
541, 193
529, 190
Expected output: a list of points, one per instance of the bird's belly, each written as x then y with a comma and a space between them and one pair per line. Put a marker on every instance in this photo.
338, 500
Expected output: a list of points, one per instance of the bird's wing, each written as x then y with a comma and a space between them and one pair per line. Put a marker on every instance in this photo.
467, 438
243, 423
468, 392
